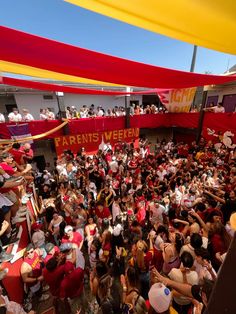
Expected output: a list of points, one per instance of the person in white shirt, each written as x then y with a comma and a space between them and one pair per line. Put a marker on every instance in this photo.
116, 211
106, 147
26, 116
43, 115
203, 265
92, 188
2, 118
84, 112
100, 112
161, 173
15, 116
217, 109
114, 165
196, 242
184, 274
50, 115
156, 210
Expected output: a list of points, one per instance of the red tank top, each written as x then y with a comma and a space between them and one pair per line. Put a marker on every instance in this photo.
35, 265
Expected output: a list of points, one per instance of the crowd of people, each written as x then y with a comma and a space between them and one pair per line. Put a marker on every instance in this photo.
118, 111
26, 116
71, 112
125, 230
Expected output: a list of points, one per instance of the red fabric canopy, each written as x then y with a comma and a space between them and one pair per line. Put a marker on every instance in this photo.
68, 89
19, 47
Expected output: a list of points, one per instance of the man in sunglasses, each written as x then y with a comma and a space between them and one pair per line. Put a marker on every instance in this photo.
31, 272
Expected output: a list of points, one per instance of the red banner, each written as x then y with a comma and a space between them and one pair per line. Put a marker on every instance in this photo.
101, 124
167, 120
220, 128
94, 140
22, 48
98, 124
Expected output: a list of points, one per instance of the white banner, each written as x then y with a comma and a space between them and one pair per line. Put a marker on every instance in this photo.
177, 100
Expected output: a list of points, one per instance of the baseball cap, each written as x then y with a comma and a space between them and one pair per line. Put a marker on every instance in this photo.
65, 247
68, 228
49, 246
159, 297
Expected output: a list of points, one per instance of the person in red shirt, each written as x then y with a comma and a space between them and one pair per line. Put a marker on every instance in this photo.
17, 153
52, 251
72, 286
72, 237
28, 152
53, 275
102, 212
13, 193
6, 161
31, 271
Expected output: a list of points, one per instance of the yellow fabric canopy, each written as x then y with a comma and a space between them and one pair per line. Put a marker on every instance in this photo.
10, 67
207, 23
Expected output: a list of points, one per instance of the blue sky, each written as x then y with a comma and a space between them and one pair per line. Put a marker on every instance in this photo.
61, 21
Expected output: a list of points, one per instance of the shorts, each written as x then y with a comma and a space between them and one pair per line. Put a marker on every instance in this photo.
11, 196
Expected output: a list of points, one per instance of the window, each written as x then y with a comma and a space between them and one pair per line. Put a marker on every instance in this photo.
48, 97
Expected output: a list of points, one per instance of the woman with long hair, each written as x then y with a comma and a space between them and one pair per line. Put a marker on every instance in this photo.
132, 300
91, 230
171, 250
142, 259
219, 240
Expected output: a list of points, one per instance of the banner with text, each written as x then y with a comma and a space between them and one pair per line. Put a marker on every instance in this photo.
177, 100
94, 140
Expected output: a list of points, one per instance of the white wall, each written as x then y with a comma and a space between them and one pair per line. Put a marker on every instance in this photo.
105, 101
221, 92
34, 102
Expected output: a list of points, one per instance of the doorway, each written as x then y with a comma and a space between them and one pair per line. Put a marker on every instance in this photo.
211, 100
151, 99
10, 107
229, 102
40, 162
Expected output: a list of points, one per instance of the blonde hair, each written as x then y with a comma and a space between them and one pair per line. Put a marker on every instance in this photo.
141, 248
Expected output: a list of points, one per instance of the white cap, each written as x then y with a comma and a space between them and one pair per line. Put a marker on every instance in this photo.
68, 228
159, 297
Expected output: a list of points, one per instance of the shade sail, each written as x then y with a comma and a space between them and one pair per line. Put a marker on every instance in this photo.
70, 89
14, 68
23, 48
208, 23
